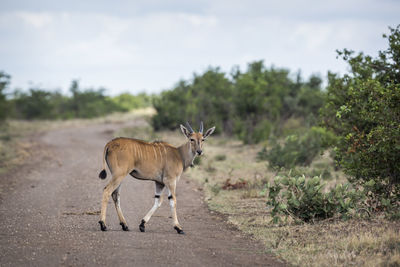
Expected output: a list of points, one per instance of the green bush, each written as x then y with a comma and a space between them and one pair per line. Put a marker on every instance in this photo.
298, 149
127, 101
42, 104
323, 170
207, 98
303, 199
253, 105
37, 103
363, 109
90, 103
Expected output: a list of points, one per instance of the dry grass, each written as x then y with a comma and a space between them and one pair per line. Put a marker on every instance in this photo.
374, 242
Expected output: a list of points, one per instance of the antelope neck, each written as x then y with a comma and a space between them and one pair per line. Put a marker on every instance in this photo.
186, 154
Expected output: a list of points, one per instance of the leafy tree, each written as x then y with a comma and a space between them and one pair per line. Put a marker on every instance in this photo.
258, 98
266, 98
208, 98
363, 109
171, 107
253, 104
35, 104
42, 104
90, 103
212, 96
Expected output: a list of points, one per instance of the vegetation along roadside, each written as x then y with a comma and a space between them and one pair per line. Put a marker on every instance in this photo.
312, 172
315, 174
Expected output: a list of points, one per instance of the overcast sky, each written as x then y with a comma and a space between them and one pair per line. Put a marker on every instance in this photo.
150, 45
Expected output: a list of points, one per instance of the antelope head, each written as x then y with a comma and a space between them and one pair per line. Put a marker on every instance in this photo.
196, 139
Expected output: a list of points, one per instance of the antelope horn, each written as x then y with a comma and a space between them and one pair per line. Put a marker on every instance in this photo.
190, 127
201, 127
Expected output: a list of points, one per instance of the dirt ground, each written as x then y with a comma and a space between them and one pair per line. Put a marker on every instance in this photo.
49, 212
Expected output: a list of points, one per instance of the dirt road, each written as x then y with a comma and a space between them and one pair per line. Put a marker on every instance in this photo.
49, 215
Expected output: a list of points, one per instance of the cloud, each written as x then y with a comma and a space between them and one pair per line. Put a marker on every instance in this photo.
151, 45
37, 20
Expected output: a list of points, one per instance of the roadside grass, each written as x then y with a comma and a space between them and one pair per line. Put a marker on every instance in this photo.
14, 146
234, 185
372, 242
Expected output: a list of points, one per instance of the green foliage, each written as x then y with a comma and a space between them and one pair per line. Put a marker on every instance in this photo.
259, 97
378, 200
4, 81
90, 103
41, 104
82, 103
298, 149
363, 109
322, 170
253, 105
36, 104
265, 98
127, 102
303, 199
207, 98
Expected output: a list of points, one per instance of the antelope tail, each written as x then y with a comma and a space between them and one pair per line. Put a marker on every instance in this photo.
103, 173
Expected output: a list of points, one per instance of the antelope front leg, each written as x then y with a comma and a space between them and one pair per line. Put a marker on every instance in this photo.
158, 198
110, 187
172, 203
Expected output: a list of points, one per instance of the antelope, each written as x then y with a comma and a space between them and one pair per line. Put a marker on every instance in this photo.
157, 161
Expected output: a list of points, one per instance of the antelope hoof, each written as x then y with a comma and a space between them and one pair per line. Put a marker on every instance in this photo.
124, 226
102, 226
141, 226
180, 231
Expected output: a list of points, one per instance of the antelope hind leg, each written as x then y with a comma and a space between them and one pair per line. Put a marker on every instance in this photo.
117, 202
110, 187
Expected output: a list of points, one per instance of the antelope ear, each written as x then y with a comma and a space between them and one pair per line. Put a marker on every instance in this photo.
209, 132
185, 131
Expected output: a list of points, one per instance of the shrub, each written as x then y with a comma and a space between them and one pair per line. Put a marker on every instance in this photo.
304, 200
298, 149
253, 104
324, 171
126, 101
41, 104
208, 97
363, 109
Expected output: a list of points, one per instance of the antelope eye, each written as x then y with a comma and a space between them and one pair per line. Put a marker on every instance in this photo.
203, 140
191, 140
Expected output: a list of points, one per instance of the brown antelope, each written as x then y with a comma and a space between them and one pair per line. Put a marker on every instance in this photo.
157, 161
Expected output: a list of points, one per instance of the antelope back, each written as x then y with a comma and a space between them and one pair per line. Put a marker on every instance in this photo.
126, 154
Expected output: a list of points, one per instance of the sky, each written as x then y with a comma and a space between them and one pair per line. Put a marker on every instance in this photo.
148, 46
